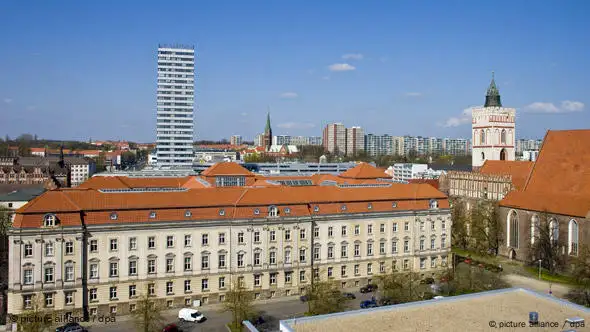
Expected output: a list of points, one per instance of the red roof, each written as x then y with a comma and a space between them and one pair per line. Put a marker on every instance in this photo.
226, 168
364, 171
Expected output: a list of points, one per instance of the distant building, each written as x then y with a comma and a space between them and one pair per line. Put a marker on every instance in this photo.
235, 140
529, 155
296, 140
259, 141
528, 145
355, 140
407, 171
493, 129
378, 145
334, 138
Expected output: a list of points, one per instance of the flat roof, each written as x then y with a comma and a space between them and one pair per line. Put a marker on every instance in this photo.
472, 312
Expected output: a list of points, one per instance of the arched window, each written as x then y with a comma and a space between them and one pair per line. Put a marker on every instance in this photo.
482, 137
554, 231
49, 220
503, 136
573, 238
273, 211
512, 228
535, 226
433, 204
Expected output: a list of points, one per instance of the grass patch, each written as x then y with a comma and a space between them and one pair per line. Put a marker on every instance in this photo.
549, 277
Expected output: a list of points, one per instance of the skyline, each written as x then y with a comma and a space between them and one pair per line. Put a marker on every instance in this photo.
89, 71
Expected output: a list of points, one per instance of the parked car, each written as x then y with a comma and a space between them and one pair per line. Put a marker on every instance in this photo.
190, 315
369, 288
386, 301
171, 328
438, 297
304, 298
349, 296
71, 327
369, 304
427, 281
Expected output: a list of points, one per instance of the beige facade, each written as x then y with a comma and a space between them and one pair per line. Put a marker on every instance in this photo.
182, 261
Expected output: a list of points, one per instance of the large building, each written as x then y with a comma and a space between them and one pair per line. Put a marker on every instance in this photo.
334, 138
528, 145
94, 250
296, 140
175, 106
379, 145
355, 141
235, 140
493, 129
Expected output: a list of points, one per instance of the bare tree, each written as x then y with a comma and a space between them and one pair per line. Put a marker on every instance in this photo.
581, 273
400, 287
459, 226
238, 301
486, 228
147, 315
545, 245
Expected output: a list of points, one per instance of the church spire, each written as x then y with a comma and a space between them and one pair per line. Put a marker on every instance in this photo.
493, 95
267, 129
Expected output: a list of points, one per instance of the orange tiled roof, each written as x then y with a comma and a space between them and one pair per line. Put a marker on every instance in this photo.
237, 202
432, 182
37, 149
559, 181
226, 168
364, 171
120, 182
519, 170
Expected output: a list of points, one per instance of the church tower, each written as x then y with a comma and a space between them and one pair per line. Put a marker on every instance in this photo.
493, 129
267, 139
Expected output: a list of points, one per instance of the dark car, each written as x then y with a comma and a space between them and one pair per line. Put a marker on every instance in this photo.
368, 304
171, 328
71, 327
304, 298
349, 296
427, 281
369, 288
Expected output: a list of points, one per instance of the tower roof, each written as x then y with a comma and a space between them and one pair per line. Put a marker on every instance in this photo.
267, 128
493, 95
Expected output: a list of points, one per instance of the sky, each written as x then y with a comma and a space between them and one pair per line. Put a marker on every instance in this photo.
87, 69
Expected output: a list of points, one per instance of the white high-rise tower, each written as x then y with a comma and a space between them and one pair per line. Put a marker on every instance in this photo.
176, 89
493, 129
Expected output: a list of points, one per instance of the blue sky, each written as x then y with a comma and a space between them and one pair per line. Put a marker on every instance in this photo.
81, 69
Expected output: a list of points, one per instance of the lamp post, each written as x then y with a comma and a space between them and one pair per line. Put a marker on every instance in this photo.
540, 269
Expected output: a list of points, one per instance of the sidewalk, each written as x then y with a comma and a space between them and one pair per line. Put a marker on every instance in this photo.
558, 290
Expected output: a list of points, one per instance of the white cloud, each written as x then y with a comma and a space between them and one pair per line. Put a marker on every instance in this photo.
457, 121
413, 94
341, 67
289, 95
296, 125
352, 56
7, 100
566, 106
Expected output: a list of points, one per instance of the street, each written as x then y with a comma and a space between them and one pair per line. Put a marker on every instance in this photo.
278, 309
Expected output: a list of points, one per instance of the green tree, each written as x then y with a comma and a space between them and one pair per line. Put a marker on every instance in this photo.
486, 228
5, 220
459, 226
34, 319
400, 287
238, 301
147, 315
581, 272
324, 298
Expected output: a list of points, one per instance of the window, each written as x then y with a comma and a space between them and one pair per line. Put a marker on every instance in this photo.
93, 271
49, 220
169, 287
241, 237
316, 253
49, 249
273, 211
443, 224
187, 286
151, 266
114, 216
394, 227
369, 268
113, 269
205, 262
433, 262
152, 215
205, 239
93, 294
443, 261
221, 260
573, 238
132, 291
169, 241
382, 248
503, 136
272, 278
272, 257
357, 230
27, 301
406, 246
343, 250
256, 211
222, 238
256, 236
28, 276
330, 251
382, 267
394, 246
273, 235
443, 240
69, 248
382, 228
169, 265
357, 250
369, 229
204, 284
406, 264
69, 298
48, 299
256, 259
554, 231
343, 271
422, 244
406, 226
114, 245
316, 232
330, 272
422, 263
188, 263
369, 249
316, 208
69, 273
132, 243
28, 252
287, 235
302, 276
433, 204
330, 231
432, 241
357, 270
302, 234
188, 240
422, 226
482, 138
49, 274
287, 256
240, 260
343, 207
113, 293
394, 265
151, 242
187, 214
151, 289
257, 280
222, 212
132, 307
221, 282
302, 255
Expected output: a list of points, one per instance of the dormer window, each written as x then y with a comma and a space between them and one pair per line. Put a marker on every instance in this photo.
316, 208
394, 205
273, 211
114, 216
222, 212
369, 206
343, 207
287, 210
187, 214
152, 215
256, 211
49, 220
433, 204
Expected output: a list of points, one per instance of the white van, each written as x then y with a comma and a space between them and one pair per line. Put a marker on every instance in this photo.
190, 315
